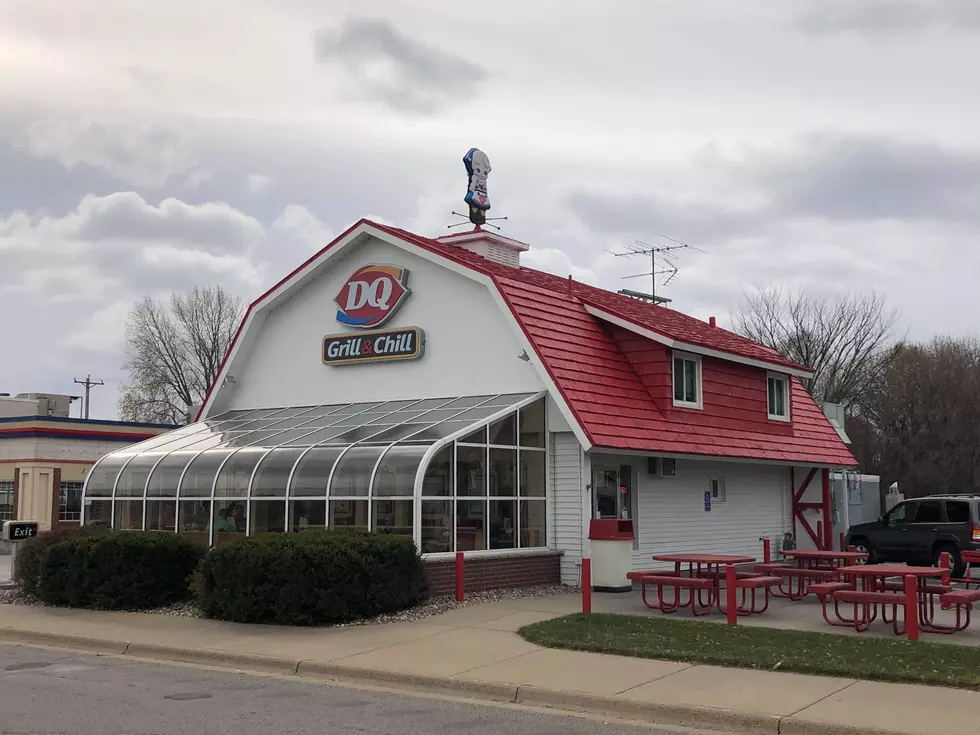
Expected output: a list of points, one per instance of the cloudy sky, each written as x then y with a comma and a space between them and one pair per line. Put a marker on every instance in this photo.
147, 147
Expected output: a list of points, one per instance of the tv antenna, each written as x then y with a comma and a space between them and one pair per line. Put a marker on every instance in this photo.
476, 228
663, 265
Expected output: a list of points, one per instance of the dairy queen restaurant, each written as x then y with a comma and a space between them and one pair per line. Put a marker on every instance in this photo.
441, 390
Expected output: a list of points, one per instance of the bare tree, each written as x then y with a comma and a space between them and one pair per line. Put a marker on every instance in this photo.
847, 341
174, 352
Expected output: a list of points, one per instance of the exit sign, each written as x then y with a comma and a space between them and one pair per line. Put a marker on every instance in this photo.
19, 530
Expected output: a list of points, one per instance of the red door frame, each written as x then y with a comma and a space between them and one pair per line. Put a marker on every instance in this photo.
827, 542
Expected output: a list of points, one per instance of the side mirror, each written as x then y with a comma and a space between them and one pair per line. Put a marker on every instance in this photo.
882, 519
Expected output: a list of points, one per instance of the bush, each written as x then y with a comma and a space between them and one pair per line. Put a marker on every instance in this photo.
311, 578
118, 570
27, 565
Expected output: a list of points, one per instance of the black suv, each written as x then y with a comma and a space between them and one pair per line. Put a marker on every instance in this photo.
918, 531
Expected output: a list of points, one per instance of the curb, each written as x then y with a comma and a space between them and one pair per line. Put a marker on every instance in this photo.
676, 715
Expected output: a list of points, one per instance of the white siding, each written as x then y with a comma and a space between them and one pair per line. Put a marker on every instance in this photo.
568, 488
671, 516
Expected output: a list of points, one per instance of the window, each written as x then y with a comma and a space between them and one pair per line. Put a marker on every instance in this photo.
778, 390
930, 511
70, 503
6, 500
719, 491
687, 380
957, 511
901, 513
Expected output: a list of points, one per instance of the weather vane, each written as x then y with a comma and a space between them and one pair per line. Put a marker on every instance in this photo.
478, 168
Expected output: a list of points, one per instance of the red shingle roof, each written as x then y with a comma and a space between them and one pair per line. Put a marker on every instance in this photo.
609, 398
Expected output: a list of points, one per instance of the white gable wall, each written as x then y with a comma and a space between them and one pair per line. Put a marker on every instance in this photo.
470, 347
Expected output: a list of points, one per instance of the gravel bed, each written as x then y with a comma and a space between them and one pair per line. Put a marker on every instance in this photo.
433, 606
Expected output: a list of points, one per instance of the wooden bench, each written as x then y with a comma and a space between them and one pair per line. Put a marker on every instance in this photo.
863, 600
691, 584
962, 601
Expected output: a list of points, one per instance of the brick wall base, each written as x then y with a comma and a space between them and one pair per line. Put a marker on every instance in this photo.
495, 572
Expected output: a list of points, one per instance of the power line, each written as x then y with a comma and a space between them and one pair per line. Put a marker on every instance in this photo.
89, 384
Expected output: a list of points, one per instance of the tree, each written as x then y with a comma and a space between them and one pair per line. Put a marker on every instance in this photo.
173, 353
846, 341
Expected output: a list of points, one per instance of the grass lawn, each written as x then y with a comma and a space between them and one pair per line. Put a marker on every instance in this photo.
769, 649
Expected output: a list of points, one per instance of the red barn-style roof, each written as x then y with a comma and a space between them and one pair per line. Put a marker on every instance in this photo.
590, 342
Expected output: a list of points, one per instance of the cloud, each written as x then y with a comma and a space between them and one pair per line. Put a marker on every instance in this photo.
389, 67
136, 153
257, 183
881, 17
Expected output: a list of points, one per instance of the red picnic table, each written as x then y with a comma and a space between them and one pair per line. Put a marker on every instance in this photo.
703, 578
812, 565
873, 588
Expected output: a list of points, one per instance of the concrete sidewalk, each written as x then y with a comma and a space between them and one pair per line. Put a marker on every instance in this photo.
474, 651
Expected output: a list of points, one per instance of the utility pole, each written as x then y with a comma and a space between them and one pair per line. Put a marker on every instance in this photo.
89, 384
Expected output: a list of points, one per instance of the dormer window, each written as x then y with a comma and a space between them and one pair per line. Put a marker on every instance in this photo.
687, 380
778, 390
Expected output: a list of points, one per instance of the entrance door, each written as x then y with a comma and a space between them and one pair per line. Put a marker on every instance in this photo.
610, 493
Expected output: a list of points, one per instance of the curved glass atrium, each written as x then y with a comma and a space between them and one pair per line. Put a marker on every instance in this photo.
463, 473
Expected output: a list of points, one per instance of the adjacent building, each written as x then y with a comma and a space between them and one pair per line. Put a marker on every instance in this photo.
45, 456
439, 389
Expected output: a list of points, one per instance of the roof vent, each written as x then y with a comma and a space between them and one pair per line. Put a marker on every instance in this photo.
490, 245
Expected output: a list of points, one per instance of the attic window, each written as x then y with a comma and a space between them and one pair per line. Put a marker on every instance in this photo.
778, 396
687, 380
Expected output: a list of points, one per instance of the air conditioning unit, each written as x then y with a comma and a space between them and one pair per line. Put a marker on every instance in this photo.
661, 466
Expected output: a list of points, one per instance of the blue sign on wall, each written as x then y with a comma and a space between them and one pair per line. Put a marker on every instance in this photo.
707, 501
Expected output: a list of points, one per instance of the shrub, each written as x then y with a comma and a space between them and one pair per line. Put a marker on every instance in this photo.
27, 565
311, 578
118, 570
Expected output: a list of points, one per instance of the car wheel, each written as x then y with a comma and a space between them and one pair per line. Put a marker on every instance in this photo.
955, 560
864, 546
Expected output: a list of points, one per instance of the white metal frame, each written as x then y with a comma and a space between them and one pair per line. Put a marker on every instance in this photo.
783, 379
698, 382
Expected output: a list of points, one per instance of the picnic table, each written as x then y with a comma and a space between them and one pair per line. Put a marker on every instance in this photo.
873, 589
701, 580
812, 565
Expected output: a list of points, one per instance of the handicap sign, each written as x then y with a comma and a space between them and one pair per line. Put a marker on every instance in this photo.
707, 501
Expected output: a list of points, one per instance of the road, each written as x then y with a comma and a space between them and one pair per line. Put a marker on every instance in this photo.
48, 692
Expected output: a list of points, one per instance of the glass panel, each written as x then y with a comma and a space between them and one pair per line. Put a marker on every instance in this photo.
199, 478
442, 414
355, 408
534, 526
129, 515
397, 417
437, 526
307, 411
503, 524
161, 515
690, 381
252, 437
533, 473
349, 514
260, 413
353, 474
678, 379
470, 525
772, 396
439, 431
957, 511
229, 521
270, 478
103, 477
397, 433
194, 518
503, 472
132, 481
289, 436
930, 511
321, 436
438, 479
359, 433
396, 473
360, 419
508, 399
313, 472
234, 476
471, 471
393, 516
477, 437
430, 403
307, 514
268, 516
532, 424
291, 423
69, 502
397, 405
476, 414
98, 513
467, 401
504, 431
166, 475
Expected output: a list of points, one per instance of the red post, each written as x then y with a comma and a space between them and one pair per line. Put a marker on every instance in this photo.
460, 577
828, 513
730, 590
944, 562
841, 540
820, 534
586, 585
766, 550
911, 607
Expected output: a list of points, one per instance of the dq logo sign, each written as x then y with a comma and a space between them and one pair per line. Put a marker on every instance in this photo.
372, 295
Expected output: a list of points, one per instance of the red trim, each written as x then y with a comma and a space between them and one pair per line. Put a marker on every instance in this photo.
828, 519
823, 538
43, 460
